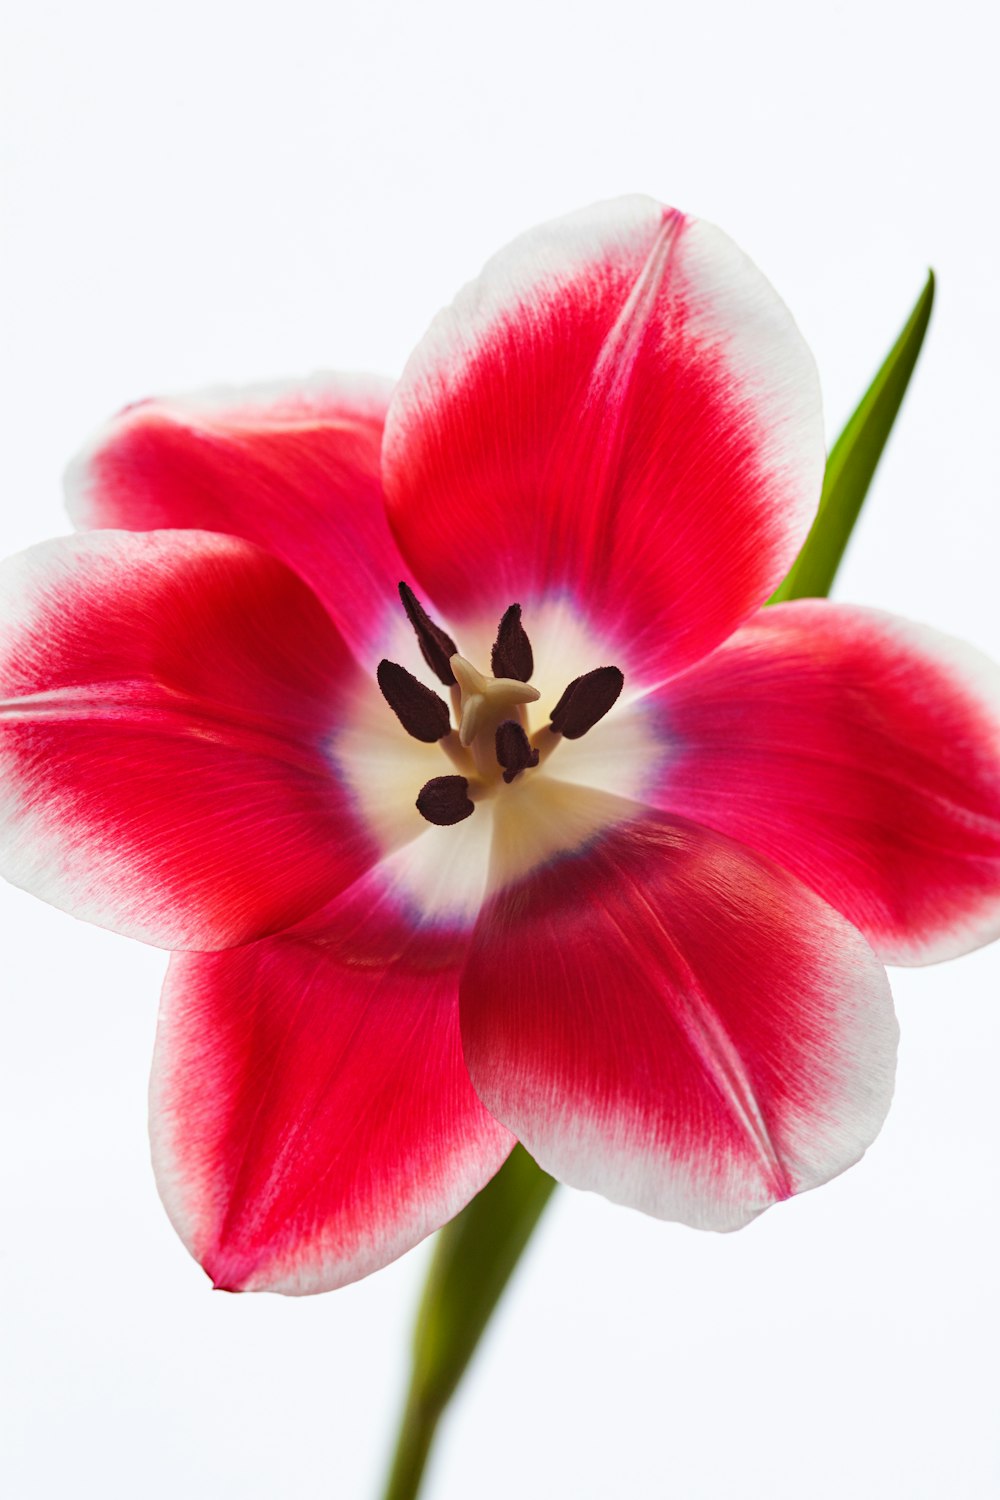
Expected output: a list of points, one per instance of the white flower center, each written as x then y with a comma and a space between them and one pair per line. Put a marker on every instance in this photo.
504, 816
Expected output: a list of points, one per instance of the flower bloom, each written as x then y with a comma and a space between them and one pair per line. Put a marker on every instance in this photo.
565, 839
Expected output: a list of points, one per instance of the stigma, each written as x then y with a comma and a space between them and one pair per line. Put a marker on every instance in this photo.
490, 744
487, 702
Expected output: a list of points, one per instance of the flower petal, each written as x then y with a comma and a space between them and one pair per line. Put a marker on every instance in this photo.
862, 753
312, 1117
619, 409
294, 468
165, 704
678, 1024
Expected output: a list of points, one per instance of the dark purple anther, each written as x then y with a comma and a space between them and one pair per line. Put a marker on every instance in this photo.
420, 711
512, 656
514, 751
445, 800
586, 700
436, 645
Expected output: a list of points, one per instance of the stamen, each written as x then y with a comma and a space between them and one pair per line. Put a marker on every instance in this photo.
512, 655
586, 701
514, 751
445, 800
436, 645
420, 711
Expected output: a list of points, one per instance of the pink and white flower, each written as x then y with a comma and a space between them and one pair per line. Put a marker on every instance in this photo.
425, 901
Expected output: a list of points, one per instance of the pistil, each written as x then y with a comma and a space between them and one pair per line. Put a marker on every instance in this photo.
488, 702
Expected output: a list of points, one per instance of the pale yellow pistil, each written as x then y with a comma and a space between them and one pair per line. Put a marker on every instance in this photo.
484, 704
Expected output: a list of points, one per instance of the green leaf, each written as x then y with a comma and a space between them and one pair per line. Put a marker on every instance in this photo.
853, 460
473, 1260
476, 1253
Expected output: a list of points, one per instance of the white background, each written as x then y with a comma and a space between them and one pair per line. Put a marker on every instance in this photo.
205, 192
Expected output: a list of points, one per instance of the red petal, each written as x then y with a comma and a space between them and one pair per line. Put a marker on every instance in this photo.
674, 1022
861, 752
312, 1115
167, 703
619, 409
293, 468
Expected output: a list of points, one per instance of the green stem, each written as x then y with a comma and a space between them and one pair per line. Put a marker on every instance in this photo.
474, 1257
416, 1433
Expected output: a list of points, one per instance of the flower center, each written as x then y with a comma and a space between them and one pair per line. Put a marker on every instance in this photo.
490, 747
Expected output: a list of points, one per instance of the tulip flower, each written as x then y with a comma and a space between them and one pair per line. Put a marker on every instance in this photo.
441, 733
